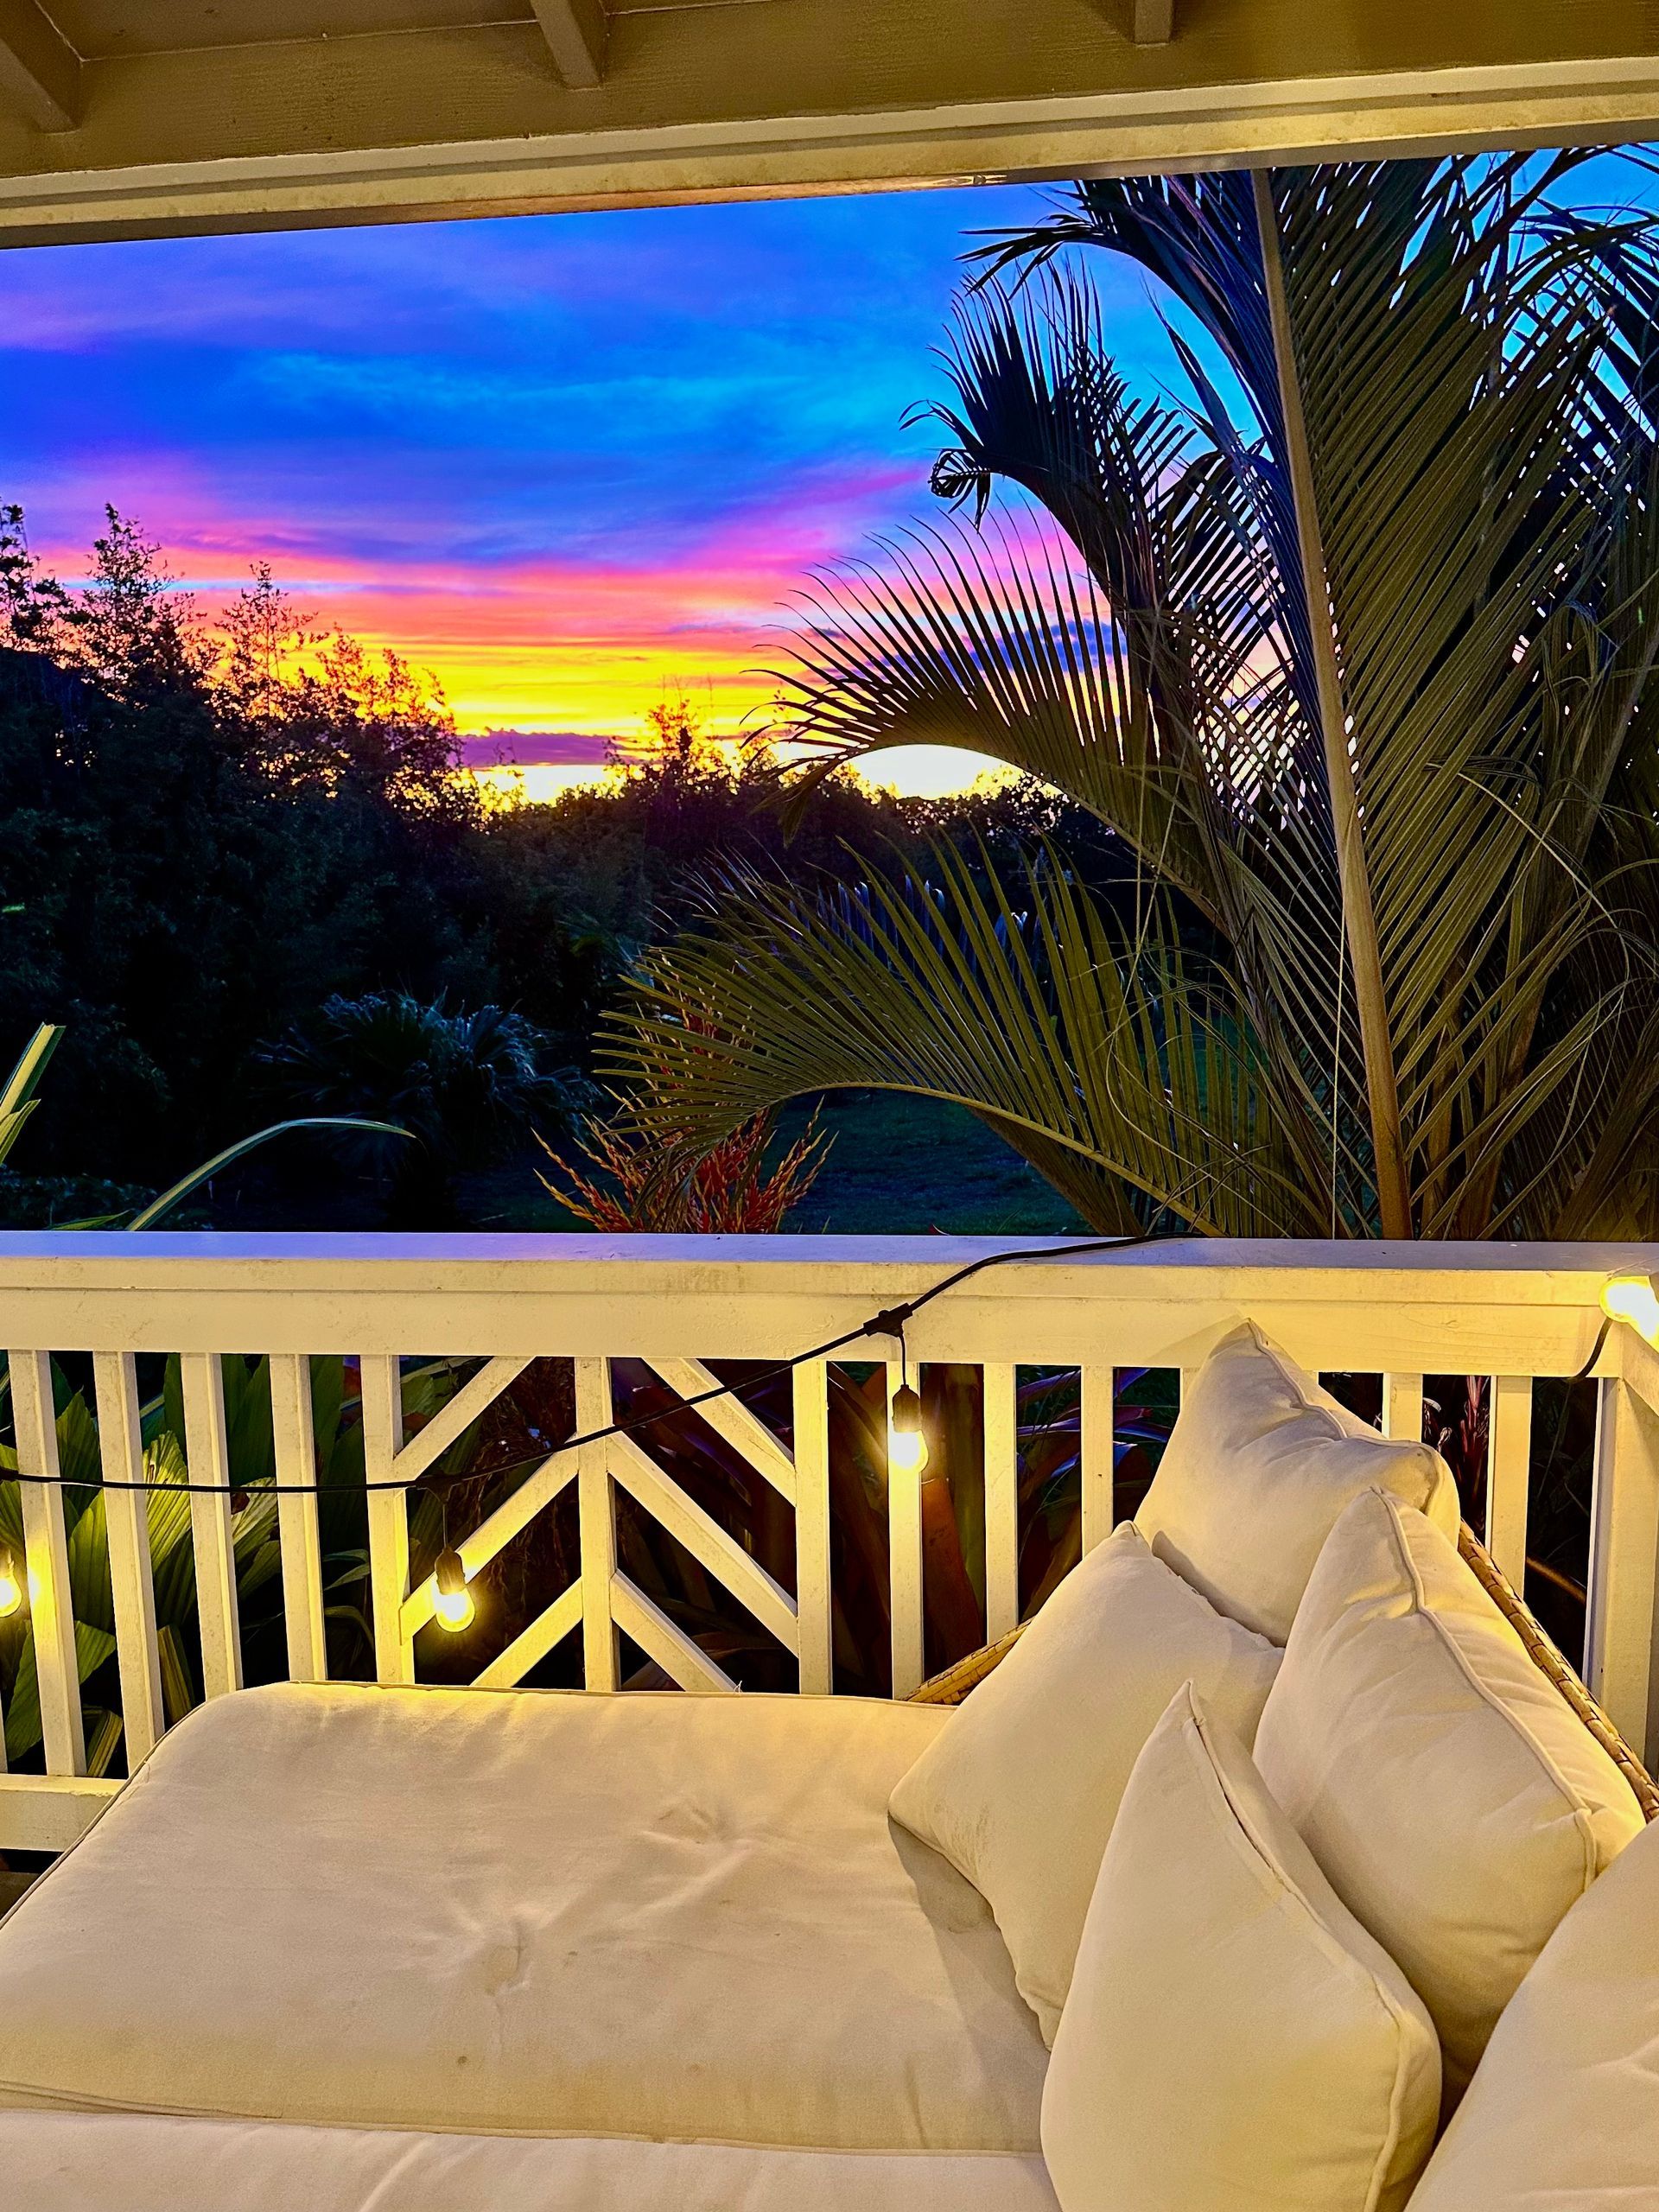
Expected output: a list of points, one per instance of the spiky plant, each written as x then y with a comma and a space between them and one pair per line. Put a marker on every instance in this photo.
1358, 665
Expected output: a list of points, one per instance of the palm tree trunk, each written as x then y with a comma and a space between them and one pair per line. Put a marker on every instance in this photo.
1393, 1191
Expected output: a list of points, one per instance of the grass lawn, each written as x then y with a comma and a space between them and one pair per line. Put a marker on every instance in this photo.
897, 1166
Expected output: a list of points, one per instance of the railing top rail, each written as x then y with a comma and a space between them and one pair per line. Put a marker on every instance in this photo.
104, 1258
1478, 1309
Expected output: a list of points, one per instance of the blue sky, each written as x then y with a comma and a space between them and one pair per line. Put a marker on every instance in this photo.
562, 461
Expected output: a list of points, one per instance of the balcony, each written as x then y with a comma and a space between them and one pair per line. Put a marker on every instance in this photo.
685, 1307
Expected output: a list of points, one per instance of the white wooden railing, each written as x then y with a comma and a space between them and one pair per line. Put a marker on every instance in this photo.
1510, 1312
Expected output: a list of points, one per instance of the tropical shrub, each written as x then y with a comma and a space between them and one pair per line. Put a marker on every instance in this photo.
465, 1086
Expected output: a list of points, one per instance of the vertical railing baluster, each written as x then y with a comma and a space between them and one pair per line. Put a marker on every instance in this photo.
383, 1439
1097, 1454
904, 1556
293, 1443
814, 1616
1509, 1475
46, 1552
596, 1506
207, 1453
138, 1652
1624, 1562
1002, 1499
1403, 1407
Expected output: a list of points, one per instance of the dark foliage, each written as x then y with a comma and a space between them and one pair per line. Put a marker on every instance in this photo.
210, 832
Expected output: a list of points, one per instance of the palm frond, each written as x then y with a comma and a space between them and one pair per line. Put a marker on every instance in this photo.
1127, 1073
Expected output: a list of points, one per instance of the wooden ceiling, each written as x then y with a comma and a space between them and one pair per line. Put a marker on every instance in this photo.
133, 118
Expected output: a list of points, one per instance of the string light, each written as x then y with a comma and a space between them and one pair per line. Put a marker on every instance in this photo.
453, 1604
1632, 1299
907, 1437
11, 1586
889, 1322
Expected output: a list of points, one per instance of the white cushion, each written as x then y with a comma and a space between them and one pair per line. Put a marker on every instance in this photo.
1021, 1789
1563, 2114
1234, 2040
519, 1912
1260, 1462
1455, 1801
144, 2162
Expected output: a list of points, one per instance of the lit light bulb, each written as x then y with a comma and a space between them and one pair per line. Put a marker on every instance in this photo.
11, 1589
906, 1438
453, 1605
1632, 1299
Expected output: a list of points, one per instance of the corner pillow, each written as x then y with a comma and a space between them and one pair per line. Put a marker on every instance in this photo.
1233, 2037
1260, 1462
1020, 1787
1457, 1804
1563, 2114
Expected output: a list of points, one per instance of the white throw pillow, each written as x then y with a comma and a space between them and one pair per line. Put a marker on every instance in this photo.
1456, 1802
1261, 1463
1234, 2040
1563, 2113
1019, 1790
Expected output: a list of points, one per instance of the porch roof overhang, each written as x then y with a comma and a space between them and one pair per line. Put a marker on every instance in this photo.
135, 117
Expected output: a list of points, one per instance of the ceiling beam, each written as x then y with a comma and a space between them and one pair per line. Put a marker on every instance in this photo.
40, 71
1143, 22
577, 32
802, 96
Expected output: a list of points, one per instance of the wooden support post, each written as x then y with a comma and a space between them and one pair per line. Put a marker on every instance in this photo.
207, 1452
813, 1605
597, 1507
121, 1451
1098, 1459
1623, 1604
294, 1440
1403, 1407
383, 1439
46, 1552
1509, 1476
1001, 1500
905, 1576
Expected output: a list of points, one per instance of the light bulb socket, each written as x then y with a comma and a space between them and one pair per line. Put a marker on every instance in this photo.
450, 1575
906, 1414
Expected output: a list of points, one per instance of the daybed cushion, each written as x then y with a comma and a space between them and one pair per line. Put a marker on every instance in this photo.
121, 2162
525, 1913
1020, 1790
1455, 1802
1260, 1462
1233, 2038
1563, 2112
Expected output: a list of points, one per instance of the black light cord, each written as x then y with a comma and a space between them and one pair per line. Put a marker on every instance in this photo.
890, 1321
1584, 1372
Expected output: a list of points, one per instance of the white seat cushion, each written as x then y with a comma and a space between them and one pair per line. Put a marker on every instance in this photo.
1261, 1463
524, 1913
1455, 1800
144, 2162
1021, 1789
1234, 2040
1563, 2112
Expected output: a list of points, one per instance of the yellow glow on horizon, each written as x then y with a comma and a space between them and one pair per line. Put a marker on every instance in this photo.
908, 772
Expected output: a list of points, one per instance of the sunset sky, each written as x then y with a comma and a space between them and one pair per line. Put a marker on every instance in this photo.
562, 462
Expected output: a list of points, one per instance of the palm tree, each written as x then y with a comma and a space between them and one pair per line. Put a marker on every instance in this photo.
1357, 665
